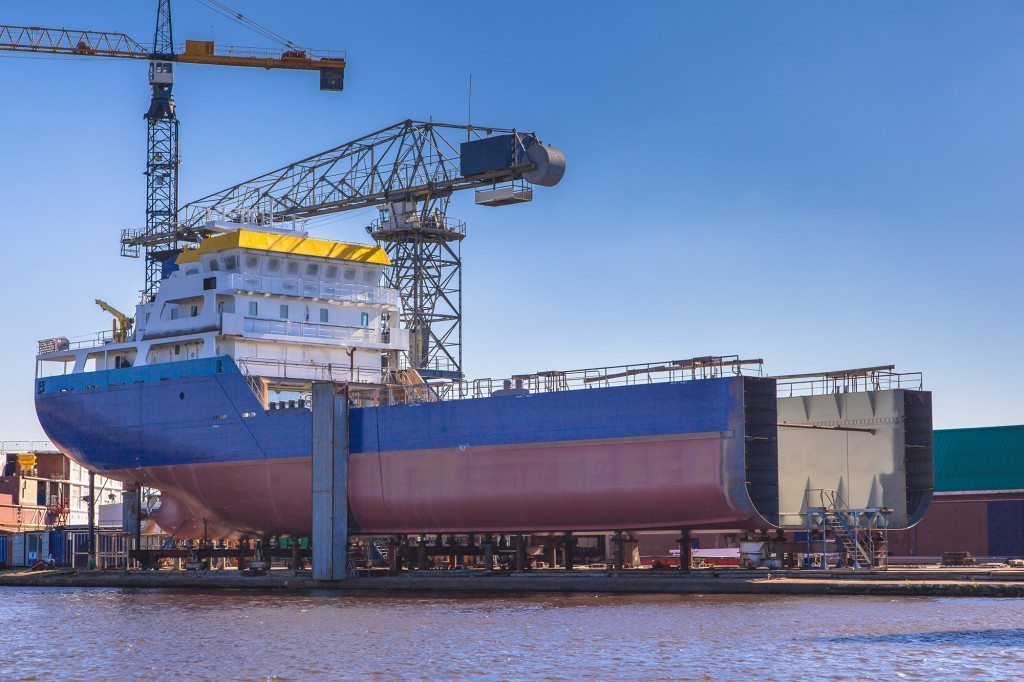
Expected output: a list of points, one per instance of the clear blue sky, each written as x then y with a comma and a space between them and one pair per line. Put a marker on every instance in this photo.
824, 185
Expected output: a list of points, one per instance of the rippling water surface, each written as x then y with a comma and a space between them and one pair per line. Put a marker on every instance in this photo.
119, 634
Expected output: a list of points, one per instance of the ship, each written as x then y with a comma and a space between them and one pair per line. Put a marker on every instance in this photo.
205, 395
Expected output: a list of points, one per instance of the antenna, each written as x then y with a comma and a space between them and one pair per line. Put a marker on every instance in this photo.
469, 110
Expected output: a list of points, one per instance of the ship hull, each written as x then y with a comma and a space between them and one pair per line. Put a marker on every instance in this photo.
662, 456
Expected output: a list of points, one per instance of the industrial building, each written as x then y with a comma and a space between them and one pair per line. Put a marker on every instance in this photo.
978, 505
42, 489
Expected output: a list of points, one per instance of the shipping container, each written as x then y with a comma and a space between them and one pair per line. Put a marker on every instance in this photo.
5, 544
18, 549
58, 547
1006, 528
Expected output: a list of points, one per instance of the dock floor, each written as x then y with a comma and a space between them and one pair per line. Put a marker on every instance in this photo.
969, 582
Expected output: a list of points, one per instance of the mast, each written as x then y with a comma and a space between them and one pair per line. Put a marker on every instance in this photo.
162, 155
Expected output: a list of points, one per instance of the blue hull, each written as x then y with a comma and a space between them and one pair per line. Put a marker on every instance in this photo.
174, 424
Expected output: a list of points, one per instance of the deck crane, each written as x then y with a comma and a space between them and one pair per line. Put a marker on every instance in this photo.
409, 172
160, 238
122, 324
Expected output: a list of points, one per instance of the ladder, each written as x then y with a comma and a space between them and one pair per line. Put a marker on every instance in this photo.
839, 524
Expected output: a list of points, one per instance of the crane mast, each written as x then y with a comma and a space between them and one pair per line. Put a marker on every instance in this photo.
162, 153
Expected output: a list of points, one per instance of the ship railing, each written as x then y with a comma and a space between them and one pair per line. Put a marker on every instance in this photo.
550, 381
260, 325
23, 446
881, 378
256, 368
61, 344
331, 291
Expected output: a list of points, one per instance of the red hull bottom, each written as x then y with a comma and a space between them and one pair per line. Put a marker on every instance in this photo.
664, 482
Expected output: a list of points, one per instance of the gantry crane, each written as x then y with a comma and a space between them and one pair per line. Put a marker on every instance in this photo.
160, 237
409, 171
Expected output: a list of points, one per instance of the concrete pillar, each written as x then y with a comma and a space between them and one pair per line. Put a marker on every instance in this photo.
685, 551
489, 553
138, 521
568, 543
421, 554
330, 481
520, 553
91, 563
617, 551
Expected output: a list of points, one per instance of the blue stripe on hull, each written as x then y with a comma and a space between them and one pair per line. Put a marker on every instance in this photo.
190, 412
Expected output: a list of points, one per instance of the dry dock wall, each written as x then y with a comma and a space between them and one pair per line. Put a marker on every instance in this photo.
882, 457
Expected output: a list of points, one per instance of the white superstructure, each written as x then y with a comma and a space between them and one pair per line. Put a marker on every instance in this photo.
286, 307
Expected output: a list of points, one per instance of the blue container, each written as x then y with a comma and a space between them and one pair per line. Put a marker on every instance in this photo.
486, 155
1006, 528
4, 544
58, 547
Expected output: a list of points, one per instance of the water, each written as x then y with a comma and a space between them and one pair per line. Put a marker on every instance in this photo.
196, 635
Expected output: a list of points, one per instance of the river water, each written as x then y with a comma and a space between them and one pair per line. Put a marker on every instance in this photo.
48, 633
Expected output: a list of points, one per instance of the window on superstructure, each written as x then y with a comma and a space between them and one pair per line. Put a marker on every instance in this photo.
193, 311
364, 319
350, 274
213, 265
293, 268
254, 308
313, 270
252, 263
323, 316
273, 264
331, 272
283, 312
368, 275
231, 263
174, 313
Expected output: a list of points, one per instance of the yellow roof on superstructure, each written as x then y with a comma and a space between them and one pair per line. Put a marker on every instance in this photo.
280, 243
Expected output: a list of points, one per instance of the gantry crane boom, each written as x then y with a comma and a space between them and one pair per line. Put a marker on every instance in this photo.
159, 237
409, 161
410, 170
86, 43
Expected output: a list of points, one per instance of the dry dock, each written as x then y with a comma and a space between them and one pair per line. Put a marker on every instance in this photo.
977, 582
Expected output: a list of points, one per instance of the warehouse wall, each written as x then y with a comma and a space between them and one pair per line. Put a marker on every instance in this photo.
983, 527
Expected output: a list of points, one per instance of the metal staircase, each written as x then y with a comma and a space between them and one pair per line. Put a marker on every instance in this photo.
856, 531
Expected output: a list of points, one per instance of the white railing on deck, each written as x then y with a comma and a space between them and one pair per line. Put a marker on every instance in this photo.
333, 291
269, 368
309, 330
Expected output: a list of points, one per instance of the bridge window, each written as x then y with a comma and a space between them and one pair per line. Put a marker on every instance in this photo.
231, 263
273, 264
212, 265
331, 272
293, 268
313, 269
350, 274
283, 313
254, 308
323, 315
